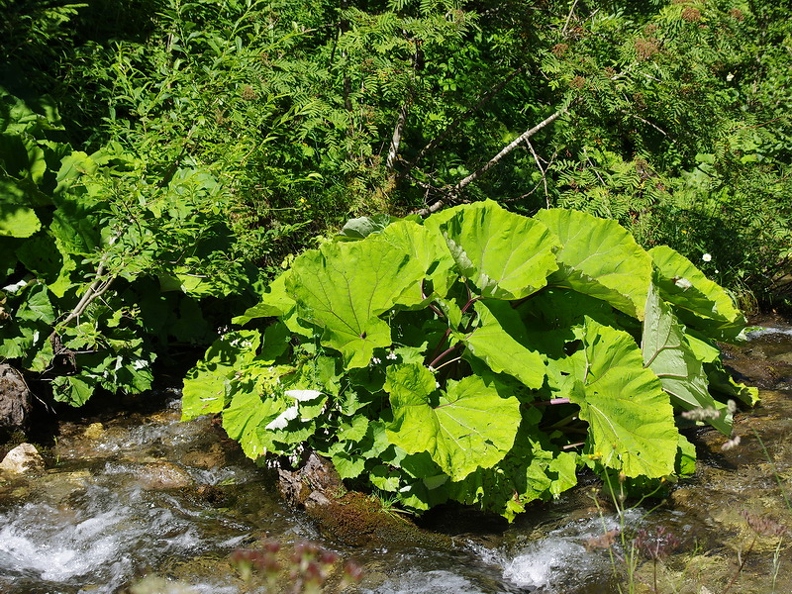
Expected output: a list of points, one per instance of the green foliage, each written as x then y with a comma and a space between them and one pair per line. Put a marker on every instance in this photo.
462, 357
92, 245
674, 114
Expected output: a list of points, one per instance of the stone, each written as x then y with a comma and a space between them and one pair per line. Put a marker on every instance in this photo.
94, 431
23, 459
162, 475
15, 399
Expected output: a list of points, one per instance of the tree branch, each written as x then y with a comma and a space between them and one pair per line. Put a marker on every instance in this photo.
458, 120
95, 290
507, 149
542, 169
492, 162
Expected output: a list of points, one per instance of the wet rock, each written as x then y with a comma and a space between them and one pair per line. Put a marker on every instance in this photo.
317, 479
15, 399
94, 431
162, 476
23, 459
157, 585
349, 517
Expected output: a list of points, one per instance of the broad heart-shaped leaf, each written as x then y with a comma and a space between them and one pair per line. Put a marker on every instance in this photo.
274, 303
666, 352
533, 469
206, 384
491, 343
468, 427
74, 389
344, 287
600, 258
506, 255
246, 419
631, 422
699, 302
427, 247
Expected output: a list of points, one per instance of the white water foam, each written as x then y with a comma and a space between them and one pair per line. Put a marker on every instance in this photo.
560, 562
426, 582
764, 331
546, 563
95, 544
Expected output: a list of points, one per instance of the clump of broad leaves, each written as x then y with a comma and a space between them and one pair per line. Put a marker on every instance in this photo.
478, 356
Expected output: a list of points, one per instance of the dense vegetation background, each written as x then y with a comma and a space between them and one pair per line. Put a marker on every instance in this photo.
160, 159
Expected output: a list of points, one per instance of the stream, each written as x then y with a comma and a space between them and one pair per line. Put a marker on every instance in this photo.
141, 503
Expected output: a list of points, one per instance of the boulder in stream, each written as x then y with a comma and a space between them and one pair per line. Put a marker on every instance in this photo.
23, 459
350, 517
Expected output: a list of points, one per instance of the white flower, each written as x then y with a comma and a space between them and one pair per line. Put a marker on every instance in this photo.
376, 360
707, 257
731, 444
392, 356
729, 77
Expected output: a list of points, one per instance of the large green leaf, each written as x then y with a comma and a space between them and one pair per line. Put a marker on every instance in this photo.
600, 258
344, 287
246, 419
73, 389
699, 302
506, 255
427, 247
275, 302
631, 422
17, 220
491, 343
467, 427
666, 352
533, 469
207, 383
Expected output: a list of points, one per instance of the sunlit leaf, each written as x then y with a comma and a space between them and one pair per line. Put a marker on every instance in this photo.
698, 301
600, 258
345, 287
468, 426
631, 422
666, 352
507, 256
17, 220
207, 383
246, 420
492, 343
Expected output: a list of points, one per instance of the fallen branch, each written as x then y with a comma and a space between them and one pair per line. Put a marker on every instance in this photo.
95, 290
454, 191
459, 119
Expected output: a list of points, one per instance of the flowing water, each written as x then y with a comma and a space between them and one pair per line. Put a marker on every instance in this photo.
145, 497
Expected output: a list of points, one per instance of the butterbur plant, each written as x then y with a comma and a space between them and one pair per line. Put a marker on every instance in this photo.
478, 356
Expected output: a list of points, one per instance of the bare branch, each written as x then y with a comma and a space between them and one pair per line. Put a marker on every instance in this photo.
508, 149
454, 191
569, 17
542, 169
95, 290
459, 119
